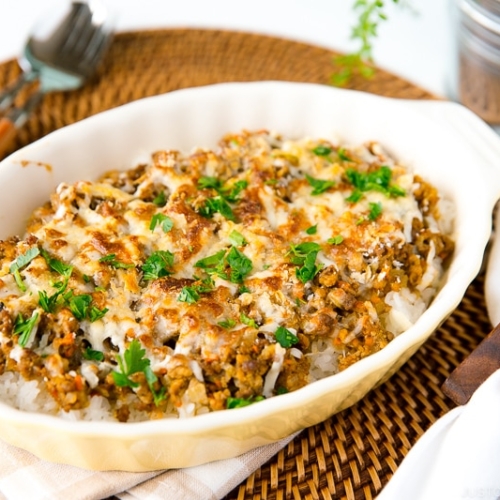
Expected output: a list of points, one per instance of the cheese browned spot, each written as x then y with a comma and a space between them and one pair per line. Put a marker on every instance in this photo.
161, 289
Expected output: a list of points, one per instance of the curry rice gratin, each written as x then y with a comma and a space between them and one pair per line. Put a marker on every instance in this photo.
214, 280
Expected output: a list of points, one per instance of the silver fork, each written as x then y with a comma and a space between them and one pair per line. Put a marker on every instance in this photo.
62, 54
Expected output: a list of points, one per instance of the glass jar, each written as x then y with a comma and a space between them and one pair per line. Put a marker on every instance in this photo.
478, 48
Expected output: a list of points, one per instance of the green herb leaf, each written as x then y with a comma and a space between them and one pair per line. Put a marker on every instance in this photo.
160, 199
206, 182
79, 305
214, 205
158, 265
304, 255
285, 337
237, 239
231, 193
92, 355
227, 323
336, 240
240, 265
365, 31
312, 229
133, 361
151, 379
189, 294
378, 180
57, 265
341, 152
95, 313
25, 258
248, 321
46, 302
355, 196
322, 150
163, 220
319, 186
111, 260
22, 261
375, 210
241, 402
213, 264
24, 327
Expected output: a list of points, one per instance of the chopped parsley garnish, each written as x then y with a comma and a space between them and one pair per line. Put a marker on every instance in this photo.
158, 265
227, 323
79, 305
56, 265
336, 240
191, 294
160, 199
164, 221
213, 264
285, 337
342, 154
241, 402
134, 361
111, 260
207, 182
22, 261
229, 193
233, 265
375, 210
214, 205
24, 327
93, 355
237, 239
226, 195
304, 255
240, 265
312, 229
248, 321
378, 180
319, 186
48, 302
95, 313
322, 150
82, 308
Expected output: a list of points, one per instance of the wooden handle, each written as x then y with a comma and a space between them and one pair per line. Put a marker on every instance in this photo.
475, 369
7, 134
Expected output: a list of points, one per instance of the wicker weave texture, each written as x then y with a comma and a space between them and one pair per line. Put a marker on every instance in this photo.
353, 454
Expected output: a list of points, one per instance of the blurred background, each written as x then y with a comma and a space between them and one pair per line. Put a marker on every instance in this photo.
416, 42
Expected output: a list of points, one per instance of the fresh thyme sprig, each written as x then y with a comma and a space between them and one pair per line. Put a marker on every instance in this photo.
371, 13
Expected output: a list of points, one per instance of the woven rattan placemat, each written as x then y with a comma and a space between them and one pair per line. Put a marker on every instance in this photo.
354, 453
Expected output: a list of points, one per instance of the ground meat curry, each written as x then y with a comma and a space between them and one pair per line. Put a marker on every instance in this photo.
212, 280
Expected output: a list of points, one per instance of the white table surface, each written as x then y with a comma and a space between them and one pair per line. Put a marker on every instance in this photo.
415, 43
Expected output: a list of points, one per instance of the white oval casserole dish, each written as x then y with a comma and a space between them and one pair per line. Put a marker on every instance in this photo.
442, 141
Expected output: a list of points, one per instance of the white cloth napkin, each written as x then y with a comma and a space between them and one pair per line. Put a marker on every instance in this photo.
23, 476
458, 457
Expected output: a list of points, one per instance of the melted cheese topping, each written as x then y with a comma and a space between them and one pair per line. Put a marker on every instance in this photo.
204, 281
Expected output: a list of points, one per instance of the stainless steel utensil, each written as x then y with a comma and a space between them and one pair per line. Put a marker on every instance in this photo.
62, 53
